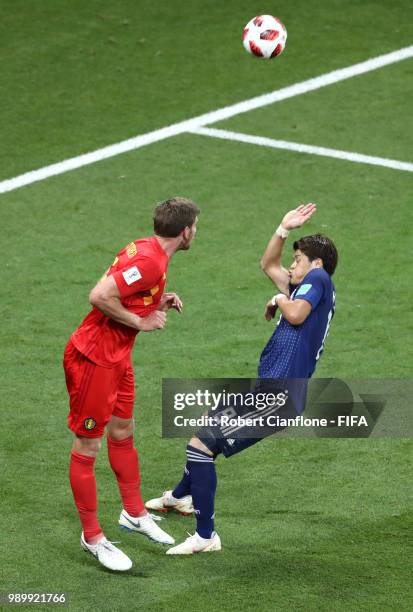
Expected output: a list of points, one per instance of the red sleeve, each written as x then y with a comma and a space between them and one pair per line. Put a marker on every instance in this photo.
141, 274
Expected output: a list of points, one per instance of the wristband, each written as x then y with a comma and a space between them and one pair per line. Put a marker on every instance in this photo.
282, 232
274, 298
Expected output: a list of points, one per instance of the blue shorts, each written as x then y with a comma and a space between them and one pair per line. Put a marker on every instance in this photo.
236, 428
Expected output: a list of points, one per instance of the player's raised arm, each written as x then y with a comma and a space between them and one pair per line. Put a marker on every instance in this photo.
271, 260
106, 297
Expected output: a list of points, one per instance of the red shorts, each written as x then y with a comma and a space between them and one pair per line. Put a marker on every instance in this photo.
96, 393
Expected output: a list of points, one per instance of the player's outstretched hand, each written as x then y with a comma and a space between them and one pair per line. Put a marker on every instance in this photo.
298, 216
270, 311
170, 300
156, 320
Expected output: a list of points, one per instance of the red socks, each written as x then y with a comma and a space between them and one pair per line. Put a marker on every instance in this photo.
123, 458
83, 483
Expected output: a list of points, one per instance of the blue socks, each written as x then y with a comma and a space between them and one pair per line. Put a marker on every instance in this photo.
184, 487
200, 481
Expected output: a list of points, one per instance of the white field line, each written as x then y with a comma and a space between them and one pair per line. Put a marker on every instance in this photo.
206, 119
303, 148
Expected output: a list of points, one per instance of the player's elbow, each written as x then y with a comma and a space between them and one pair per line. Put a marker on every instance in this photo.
297, 319
95, 297
296, 316
266, 267
292, 318
105, 294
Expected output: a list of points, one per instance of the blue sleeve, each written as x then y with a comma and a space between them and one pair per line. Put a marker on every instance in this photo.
311, 290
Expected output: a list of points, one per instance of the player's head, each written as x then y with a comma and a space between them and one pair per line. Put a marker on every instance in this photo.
176, 218
316, 251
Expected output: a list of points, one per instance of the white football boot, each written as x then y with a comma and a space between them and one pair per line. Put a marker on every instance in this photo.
196, 544
167, 502
146, 525
108, 555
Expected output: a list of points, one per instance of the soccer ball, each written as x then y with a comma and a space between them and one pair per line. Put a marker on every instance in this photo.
264, 36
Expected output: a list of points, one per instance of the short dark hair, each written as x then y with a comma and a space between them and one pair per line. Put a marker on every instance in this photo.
174, 215
319, 246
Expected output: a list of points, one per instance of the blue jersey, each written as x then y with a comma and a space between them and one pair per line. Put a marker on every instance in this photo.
293, 350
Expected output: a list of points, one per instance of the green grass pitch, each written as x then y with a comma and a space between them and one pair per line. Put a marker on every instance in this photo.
305, 524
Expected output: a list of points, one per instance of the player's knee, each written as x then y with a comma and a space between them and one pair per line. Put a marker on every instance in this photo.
87, 446
120, 429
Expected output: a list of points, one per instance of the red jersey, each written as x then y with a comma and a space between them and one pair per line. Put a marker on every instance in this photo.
139, 271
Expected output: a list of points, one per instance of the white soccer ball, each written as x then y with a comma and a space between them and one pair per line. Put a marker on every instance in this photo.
265, 36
